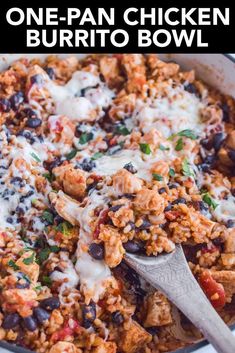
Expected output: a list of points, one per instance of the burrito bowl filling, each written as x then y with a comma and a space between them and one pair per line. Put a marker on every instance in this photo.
102, 156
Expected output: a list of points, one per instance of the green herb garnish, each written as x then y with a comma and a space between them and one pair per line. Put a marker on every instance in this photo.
171, 172
12, 264
179, 144
85, 137
210, 201
29, 260
64, 228
145, 148
43, 255
49, 176
186, 169
184, 133
48, 216
46, 280
97, 155
188, 133
35, 157
163, 148
122, 130
71, 154
54, 248
157, 177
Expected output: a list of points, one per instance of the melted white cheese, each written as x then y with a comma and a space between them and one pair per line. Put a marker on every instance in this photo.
109, 165
68, 101
177, 111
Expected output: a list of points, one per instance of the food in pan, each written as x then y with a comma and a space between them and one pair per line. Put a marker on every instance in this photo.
98, 157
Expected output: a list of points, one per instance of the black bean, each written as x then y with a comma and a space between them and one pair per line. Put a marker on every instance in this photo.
29, 193
18, 181
132, 224
87, 164
58, 219
152, 330
9, 220
10, 321
5, 105
230, 223
161, 190
89, 314
203, 206
16, 100
30, 323
168, 208
130, 168
28, 135
132, 246
38, 79
179, 200
30, 113
217, 141
115, 208
117, 317
129, 196
207, 144
145, 225
19, 210
41, 314
55, 163
172, 186
50, 72
24, 285
96, 251
190, 87
233, 191
33, 123
226, 112
231, 155
50, 303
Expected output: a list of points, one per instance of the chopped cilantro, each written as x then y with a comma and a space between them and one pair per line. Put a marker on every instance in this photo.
85, 137
96, 155
184, 133
122, 130
38, 287
210, 201
46, 280
64, 228
179, 144
54, 248
29, 260
171, 172
49, 176
12, 264
157, 177
186, 168
145, 148
35, 157
188, 133
43, 255
163, 148
48, 216
71, 154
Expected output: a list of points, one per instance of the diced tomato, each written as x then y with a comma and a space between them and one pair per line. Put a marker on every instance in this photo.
71, 326
113, 141
102, 220
212, 248
172, 215
213, 290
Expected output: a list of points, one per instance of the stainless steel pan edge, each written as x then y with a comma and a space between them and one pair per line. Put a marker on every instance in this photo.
217, 70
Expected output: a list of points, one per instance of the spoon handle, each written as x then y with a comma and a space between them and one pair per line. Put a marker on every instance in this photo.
174, 278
